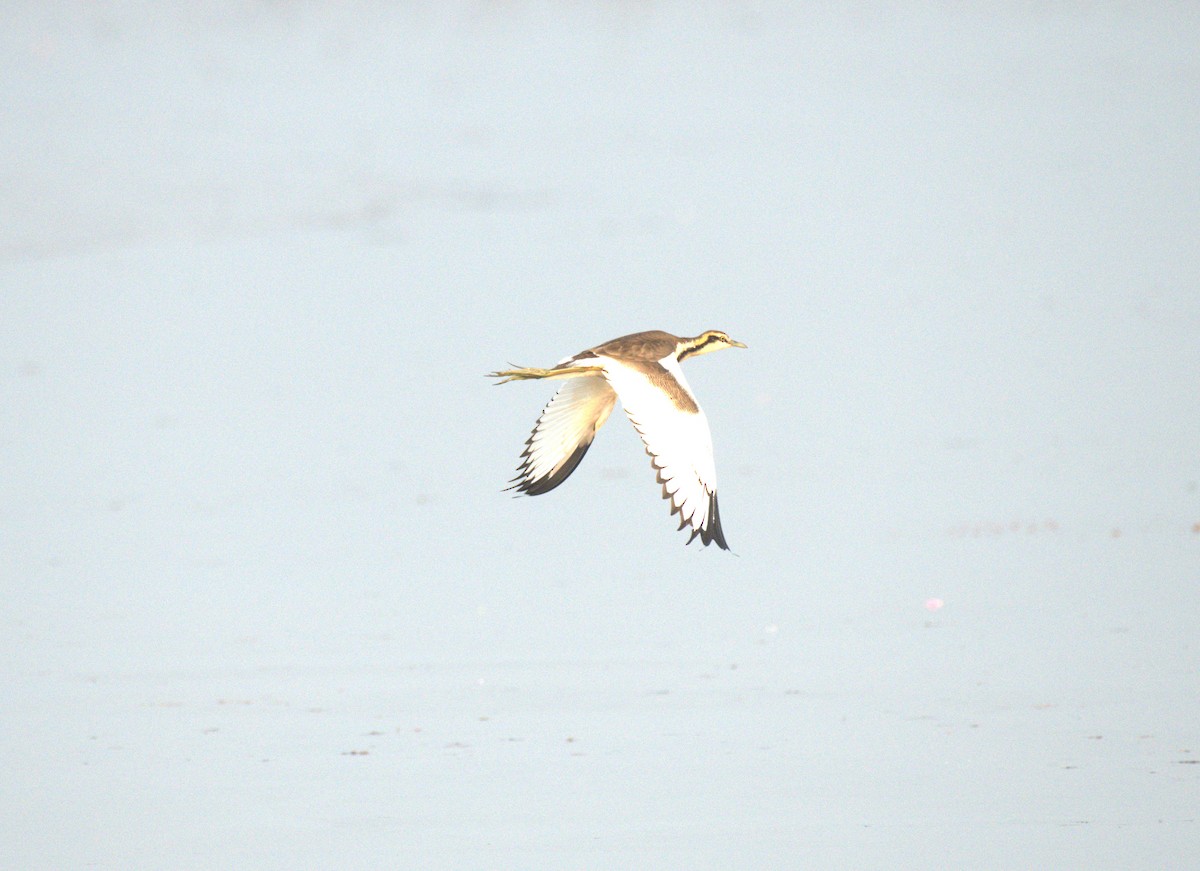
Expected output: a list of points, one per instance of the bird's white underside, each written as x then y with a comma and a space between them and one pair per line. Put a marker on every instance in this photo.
678, 441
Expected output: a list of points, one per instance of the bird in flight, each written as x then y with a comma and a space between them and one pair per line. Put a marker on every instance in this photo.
643, 370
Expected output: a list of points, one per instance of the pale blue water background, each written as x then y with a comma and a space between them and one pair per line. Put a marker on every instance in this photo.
264, 604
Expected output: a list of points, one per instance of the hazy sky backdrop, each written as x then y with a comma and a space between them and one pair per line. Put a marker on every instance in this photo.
265, 604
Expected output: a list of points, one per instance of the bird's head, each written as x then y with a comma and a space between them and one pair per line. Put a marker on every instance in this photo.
706, 342
714, 340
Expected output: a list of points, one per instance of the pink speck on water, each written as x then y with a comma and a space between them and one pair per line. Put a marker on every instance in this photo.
932, 605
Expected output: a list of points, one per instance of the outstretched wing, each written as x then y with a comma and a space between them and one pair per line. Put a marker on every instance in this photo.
563, 434
661, 407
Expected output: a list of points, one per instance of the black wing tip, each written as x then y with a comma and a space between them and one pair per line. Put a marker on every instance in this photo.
714, 522
537, 486
711, 532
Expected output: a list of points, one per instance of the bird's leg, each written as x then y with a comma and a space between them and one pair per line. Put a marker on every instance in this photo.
530, 373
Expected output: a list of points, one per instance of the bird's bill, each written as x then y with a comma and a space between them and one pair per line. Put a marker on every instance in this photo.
734, 344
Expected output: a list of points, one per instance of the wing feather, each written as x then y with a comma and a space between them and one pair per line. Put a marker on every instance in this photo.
563, 433
675, 432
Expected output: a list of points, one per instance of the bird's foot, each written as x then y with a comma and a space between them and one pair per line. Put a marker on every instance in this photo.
530, 373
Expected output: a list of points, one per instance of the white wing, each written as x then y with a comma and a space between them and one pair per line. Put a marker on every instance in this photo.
661, 407
563, 433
